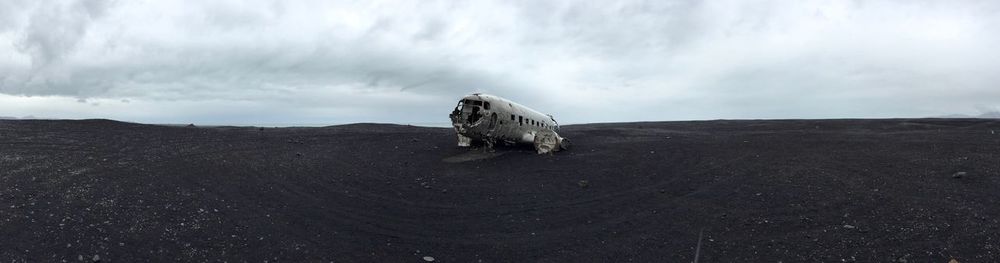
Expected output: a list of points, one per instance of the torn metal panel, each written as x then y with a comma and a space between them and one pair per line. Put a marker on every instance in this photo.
464, 141
546, 141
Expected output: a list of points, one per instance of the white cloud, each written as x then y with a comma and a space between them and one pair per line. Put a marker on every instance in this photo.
408, 61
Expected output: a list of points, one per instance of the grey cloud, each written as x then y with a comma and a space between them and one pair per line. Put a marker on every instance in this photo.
611, 29
588, 61
236, 69
431, 30
54, 29
8, 13
281, 74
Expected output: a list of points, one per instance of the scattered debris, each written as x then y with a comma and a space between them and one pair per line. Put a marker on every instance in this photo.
850, 227
958, 175
97, 258
428, 258
583, 183
548, 141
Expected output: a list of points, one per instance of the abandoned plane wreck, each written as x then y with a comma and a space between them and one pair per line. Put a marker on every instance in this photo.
488, 119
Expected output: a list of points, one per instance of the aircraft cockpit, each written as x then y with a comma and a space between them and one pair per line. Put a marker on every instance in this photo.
471, 110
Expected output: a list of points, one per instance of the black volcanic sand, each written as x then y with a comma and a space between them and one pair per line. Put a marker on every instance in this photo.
795, 190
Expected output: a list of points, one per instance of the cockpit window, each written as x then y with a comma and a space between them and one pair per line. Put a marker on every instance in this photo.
471, 104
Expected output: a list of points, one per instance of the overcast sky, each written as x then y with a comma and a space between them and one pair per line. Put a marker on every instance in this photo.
330, 62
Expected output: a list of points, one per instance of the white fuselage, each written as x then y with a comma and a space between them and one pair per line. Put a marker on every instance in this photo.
491, 119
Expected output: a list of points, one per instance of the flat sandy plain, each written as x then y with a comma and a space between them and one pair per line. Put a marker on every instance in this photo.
759, 191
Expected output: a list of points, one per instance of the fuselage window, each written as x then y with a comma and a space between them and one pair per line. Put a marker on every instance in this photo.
512, 117
486, 105
520, 120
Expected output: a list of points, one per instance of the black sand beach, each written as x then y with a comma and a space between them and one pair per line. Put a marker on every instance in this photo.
914, 190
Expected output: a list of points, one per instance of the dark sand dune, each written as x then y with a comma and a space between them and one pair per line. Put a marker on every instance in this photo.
762, 191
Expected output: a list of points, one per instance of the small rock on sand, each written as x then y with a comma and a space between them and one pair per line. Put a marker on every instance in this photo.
428, 258
958, 175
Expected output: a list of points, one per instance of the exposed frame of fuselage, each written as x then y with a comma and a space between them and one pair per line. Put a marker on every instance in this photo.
502, 121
